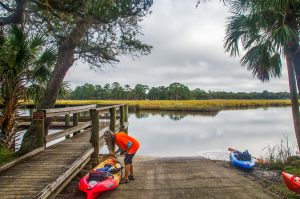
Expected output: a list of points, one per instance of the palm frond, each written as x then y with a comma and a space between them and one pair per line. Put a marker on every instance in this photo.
241, 31
263, 61
239, 6
43, 66
36, 41
283, 35
234, 33
64, 89
48, 57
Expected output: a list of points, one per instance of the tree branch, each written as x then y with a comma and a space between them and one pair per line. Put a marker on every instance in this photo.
6, 7
17, 16
48, 7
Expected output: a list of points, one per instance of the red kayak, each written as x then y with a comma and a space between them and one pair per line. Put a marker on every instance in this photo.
292, 182
106, 176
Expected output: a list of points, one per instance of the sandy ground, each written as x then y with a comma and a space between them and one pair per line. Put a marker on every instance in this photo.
181, 177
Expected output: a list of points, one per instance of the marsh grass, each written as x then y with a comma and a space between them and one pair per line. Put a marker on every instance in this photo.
183, 105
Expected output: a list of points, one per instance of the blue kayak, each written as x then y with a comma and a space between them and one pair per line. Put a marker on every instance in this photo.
243, 164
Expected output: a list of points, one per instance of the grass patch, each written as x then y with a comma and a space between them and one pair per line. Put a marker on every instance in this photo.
282, 190
6, 155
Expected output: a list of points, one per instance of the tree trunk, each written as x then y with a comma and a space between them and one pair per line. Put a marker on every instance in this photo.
296, 58
64, 61
294, 96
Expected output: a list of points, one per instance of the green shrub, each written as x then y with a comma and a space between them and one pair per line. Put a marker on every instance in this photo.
6, 155
292, 170
282, 190
295, 163
275, 165
291, 159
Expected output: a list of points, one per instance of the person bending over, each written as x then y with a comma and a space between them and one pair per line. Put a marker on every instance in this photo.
128, 146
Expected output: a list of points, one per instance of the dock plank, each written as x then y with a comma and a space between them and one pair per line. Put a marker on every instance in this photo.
32, 175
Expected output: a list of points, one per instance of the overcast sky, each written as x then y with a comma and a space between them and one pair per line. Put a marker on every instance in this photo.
187, 48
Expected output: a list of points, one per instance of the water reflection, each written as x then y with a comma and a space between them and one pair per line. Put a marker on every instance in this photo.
173, 115
199, 134
209, 134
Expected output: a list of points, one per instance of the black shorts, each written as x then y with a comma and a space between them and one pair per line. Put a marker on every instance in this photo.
128, 158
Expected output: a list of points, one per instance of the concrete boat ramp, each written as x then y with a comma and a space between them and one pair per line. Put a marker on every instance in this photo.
185, 177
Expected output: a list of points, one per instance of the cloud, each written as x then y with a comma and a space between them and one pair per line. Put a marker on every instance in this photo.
188, 48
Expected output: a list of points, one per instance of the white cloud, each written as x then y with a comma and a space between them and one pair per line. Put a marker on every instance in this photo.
188, 48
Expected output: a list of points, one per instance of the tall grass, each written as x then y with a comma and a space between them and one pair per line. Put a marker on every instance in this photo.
282, 151
281, 155
183, 105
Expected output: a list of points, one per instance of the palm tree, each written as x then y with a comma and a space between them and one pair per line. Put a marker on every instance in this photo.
37, 89
20, 57
265, 30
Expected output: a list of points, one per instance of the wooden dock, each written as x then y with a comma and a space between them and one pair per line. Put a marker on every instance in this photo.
44, 172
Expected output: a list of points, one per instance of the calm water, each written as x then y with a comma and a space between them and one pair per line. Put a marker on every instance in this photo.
170, 134
209, 134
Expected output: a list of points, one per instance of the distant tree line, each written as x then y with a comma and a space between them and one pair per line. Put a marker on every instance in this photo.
175, 91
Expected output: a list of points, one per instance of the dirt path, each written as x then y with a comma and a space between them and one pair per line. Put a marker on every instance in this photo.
182, 178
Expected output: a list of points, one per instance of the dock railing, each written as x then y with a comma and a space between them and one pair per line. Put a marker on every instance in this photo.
118, 118
99, 120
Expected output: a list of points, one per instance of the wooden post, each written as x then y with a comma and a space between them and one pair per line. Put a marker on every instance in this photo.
67, 123
39, 126
122, 115
30, 112
126, 116
95, 136
75, 121
113, 119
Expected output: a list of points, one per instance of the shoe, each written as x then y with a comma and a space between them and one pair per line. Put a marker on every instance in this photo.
123, 181
130, 177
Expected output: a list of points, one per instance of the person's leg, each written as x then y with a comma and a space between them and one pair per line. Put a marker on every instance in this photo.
127, 161
127, 170
131, 169
131, 176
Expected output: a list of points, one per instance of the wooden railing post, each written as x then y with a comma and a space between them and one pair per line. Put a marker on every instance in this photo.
30, 112
39, 126
67, 120
126, 116
75, 121
122, 116
95, 136
67, 123
113, 119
